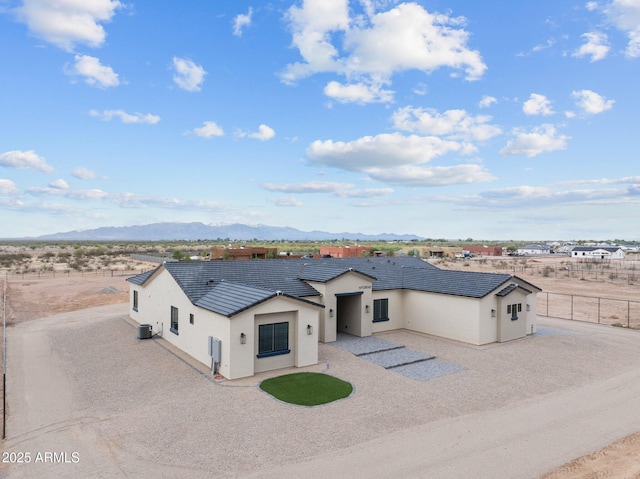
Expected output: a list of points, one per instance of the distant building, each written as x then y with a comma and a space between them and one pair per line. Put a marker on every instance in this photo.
534, 249
250, 252
480, 250
355, 251
432, 251
597, 252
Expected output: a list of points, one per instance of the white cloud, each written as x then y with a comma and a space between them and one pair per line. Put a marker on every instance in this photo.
591, 6
59, 184
633, 180
66, 23
56, 190
537, 105
384, 150
7, 187
241, 21
549, 43
342, 190
596, 46
591, 103
208, 130
83, 173
625, 15
357, 93
286, 201
398, 159
264, 133
188, 76
453, 124
375, 46
487, 101
93, 72
542, 139
22, 160
125, 117
413, 175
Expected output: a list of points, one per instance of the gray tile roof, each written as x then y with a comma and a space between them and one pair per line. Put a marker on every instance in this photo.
611, 249
231, 286
457, 283
231, 298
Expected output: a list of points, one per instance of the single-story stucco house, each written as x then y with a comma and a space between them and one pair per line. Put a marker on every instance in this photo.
270, 314
597, 252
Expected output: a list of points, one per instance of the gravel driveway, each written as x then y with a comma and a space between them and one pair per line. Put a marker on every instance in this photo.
81, 383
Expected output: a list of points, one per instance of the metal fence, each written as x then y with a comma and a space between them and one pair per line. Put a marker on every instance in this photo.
593, 309
69, 273
616, 271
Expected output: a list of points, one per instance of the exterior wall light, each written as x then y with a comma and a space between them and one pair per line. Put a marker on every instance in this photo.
366, 309
493, 313
331, 313
243, 338
309, 329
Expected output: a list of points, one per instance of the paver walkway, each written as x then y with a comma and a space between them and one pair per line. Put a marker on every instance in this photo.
396, 357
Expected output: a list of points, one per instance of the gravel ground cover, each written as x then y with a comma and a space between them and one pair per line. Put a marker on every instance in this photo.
368, 345
541, 331
427, 370
80, 382
396, 357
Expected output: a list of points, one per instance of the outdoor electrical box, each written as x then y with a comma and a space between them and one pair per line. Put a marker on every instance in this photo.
214, 349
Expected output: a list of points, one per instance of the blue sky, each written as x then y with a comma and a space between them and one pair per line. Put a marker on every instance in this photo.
456, 119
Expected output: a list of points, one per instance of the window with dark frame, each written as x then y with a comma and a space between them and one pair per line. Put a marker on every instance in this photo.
135, 301
273, 339
174, 320
380, 310
513, 310
191, 319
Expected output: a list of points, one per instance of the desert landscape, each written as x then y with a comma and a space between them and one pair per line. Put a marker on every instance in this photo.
32, 295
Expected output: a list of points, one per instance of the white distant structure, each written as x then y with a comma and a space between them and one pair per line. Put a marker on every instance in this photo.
597, 252
534, 249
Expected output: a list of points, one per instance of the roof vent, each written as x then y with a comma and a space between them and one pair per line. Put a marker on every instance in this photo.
350, 269
278, 293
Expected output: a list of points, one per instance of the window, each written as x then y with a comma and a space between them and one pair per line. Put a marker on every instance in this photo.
273, 339
513, 310
191, 319
380, 310
174, 320
135, 301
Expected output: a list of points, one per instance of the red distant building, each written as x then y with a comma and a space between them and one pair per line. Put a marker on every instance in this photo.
479, 250
345, 251
243, 253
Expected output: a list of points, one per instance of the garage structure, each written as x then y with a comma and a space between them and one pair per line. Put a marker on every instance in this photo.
271, 314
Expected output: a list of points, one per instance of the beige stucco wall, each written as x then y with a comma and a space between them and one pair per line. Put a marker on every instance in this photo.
509, 329
452, 317
351, 282
397, 316
238, 360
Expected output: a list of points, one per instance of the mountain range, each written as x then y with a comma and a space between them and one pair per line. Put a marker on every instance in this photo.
201, 231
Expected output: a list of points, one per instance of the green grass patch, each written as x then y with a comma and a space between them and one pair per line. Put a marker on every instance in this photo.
307, 389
